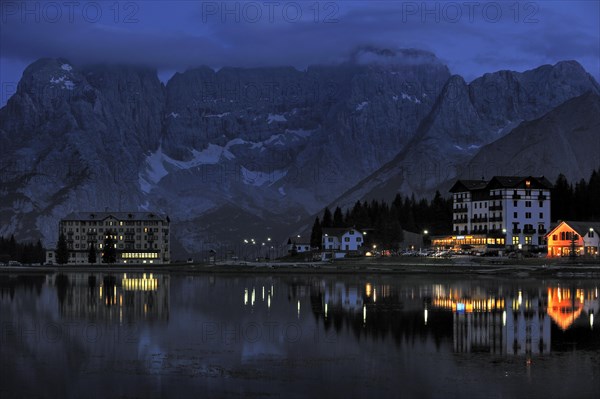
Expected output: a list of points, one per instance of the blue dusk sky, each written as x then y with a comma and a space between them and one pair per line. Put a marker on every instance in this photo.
472, 38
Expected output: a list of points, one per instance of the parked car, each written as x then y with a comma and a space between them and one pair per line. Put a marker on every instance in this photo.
14, 263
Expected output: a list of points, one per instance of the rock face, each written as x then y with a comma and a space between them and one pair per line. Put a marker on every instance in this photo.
266, 144
242, 153
466, 117
565, 140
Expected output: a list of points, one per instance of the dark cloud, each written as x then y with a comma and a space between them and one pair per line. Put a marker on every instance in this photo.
175, 35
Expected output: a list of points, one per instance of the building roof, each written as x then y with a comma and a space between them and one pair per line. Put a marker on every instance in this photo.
519, 182
337, 231
468, 185
501, 182
580, 227
88, 216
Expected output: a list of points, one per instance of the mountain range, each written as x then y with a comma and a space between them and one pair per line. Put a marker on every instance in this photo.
239, 153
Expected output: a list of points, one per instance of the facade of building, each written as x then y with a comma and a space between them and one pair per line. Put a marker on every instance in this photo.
139, 237
299, 247
574, 238
336, 239
504, 212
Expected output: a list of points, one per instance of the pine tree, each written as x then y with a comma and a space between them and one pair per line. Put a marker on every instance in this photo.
110, 252
316, 234
338, 218
327, 219
92, 253
62, 251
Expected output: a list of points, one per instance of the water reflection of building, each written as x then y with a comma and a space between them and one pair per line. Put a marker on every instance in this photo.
497, 325
565, 305
514, 325
114, 297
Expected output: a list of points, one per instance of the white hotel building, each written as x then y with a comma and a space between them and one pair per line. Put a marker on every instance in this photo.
506, 211
139, 237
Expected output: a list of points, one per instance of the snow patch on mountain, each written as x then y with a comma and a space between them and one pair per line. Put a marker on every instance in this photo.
408, 97
361, 106
276, 118
66, 67
66, 83
174, 115
158, 163
218, 115
286, 137
259, 178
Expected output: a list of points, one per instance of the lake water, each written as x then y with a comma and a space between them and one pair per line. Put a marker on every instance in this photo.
159, 335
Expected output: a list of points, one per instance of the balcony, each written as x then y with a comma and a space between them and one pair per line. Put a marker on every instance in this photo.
516, 231
460, 209
495, 208
496, 233
542, 197
529, 231
496, 196
460, 220
482, 219
458, 200
516, 196
542, 231
496, 219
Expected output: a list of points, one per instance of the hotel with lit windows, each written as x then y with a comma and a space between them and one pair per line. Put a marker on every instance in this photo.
505, 212
139, 237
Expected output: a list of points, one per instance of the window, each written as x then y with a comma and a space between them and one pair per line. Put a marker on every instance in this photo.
358, 239
515, 215
528, 192
476, 205
555, 237
514, 203
527, 204
527, 215
591, 234
541, 204
346, 239
528, 240
515, 240
541, 215
351, 232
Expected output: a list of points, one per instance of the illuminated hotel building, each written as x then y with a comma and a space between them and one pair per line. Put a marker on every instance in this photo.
139, 237
504, 212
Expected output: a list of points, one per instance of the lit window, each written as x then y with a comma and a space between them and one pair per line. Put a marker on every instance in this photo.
515, 240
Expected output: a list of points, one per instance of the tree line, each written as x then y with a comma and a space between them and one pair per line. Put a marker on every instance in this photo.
109, 251
385, 222
579, 201
27, 252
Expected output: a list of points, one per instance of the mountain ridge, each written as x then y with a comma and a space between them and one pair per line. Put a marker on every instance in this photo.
268, 144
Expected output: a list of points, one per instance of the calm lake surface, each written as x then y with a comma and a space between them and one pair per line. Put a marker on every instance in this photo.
159, 335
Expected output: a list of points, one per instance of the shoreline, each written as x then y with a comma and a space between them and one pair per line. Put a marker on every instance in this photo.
475, 266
